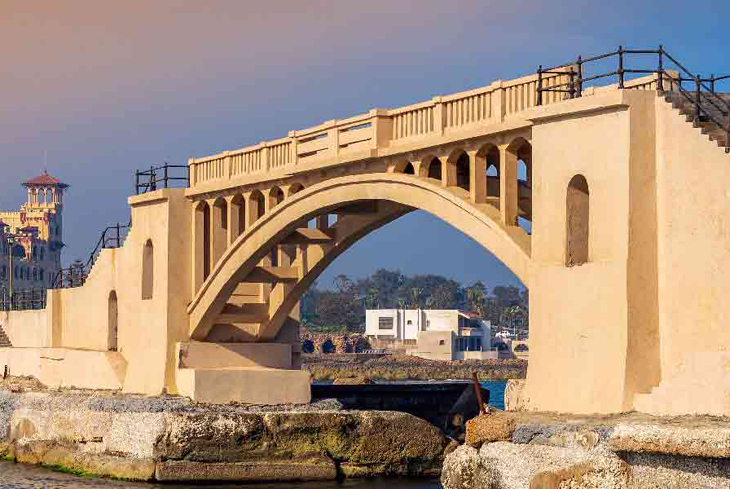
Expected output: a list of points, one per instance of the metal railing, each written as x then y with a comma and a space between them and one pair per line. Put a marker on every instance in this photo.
708, 105
75, 275
22, 299
163, 176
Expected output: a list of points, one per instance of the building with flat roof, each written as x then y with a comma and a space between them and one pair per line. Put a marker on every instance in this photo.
35, 232
445, 334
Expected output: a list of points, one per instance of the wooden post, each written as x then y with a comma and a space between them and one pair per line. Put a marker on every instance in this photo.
478, 391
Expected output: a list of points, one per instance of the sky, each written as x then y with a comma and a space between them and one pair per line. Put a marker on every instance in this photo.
105, 88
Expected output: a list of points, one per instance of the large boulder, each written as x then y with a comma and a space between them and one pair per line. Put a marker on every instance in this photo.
490, 427
463, 469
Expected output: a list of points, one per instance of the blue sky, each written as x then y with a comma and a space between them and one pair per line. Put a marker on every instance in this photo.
109, 88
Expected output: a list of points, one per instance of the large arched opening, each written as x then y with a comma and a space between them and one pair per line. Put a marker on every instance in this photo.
395, 193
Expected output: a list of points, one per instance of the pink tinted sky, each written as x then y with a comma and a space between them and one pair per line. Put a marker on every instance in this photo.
109, 87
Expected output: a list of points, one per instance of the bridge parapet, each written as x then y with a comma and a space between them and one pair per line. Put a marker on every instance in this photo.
363, 135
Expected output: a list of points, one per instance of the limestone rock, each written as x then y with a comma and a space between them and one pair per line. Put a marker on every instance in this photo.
463, 469
545, 467
673, 440
490, 427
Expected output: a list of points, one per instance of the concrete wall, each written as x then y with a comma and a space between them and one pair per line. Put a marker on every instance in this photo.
147, 329
578, 315
65, 367
27, 328
694, 241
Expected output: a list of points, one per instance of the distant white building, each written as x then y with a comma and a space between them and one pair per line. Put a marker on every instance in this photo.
436, 334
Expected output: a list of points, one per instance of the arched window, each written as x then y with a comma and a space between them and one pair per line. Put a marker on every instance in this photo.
43, 253
202, 239
113, 325
147, 271
577, 211
41, 275
35, 274
434, 169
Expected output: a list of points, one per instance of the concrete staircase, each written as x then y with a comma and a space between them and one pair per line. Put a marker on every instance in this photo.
709, 107
4, 340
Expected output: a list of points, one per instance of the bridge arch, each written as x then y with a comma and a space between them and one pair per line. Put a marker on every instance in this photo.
398, 194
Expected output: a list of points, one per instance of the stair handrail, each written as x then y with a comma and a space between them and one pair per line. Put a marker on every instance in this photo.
704, 87
75, 276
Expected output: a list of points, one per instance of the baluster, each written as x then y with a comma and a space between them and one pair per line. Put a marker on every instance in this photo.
580, 76
620, 67
136, 187
165, 170
660, 71
539, 85
698, 99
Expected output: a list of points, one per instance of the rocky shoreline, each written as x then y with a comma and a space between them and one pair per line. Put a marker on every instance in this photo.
172, 439
325, 367
507, 450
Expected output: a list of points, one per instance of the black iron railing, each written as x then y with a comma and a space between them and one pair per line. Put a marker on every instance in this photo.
22, 299
76, 274
164, 176
671, 75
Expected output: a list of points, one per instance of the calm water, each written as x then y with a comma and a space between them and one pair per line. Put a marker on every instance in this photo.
17, 476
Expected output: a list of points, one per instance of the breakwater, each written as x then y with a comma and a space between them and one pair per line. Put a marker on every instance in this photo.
172, 439
404, 367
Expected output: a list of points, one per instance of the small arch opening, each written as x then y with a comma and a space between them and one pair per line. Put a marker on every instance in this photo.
276, 197
257, 205
409, 170
434, 169
113, 331
307, 346
202, 235
328, 346
238, 209
147, 271
462, 172
577, 221
295, 188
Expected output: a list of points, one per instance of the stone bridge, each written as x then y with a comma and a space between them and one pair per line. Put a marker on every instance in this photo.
626, 260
